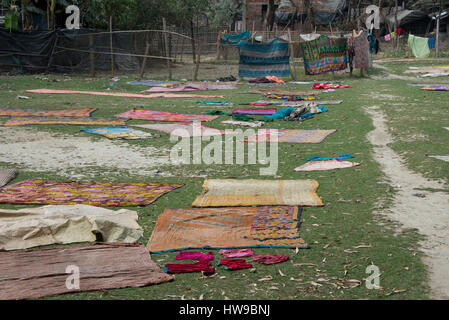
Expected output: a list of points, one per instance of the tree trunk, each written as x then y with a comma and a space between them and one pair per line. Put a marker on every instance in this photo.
269, 17
192, 35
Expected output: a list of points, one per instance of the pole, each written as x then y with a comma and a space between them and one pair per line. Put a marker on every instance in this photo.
147, 51
167, 53
437, 40
92, 56
111, 44
244, 15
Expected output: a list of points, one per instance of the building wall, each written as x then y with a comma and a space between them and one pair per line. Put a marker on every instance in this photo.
254, 13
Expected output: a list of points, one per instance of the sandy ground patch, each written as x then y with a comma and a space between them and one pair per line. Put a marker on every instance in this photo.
429, 214
76, 157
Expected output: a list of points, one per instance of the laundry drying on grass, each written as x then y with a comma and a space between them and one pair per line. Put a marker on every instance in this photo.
44, 272
122, 94
153, 115
102, 194
227, 228
290, 136
121, 132
22, 121
183, 129
252, 192
62, 224
18, 112
326, 165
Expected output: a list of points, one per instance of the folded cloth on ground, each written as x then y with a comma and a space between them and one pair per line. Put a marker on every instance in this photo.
200, 266
183, 129
101, 194
27, 228
444, 158
236, 253
21, 121
231, 78
45, 272
123, 95
230, 193
195, 256
291, 136
266, 79
255, 124
305, 111
215, 112
326, 165
436, 88
121, 132
326, 86
16, 112
227, 228
270, 258
204, 86
234, 264
7, 175
216, 103
154, 83
254, 111
281, 114
340, 157
152, 115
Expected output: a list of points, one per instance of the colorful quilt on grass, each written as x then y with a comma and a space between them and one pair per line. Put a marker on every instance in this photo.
183, 129
153, 115
227, 228
325, 55
234, 193
436, 88
293, 136
121, 132
102, 194
21, 121
121, 94
17, 112
262, 59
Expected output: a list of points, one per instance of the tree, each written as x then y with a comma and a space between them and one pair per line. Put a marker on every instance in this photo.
223, 12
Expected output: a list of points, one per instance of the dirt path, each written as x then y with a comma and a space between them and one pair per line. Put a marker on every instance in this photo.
430, 215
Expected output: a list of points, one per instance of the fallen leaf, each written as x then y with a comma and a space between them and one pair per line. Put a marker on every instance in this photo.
280, 272
363, 246
267, 278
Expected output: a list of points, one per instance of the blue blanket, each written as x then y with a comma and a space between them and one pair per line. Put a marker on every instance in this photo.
264, 59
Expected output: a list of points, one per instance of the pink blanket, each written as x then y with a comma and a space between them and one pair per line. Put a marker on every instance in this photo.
121, 94
153, 115
193, 87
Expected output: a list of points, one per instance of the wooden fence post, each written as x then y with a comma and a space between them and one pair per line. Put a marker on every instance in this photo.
92, 56
167, 50
112, 48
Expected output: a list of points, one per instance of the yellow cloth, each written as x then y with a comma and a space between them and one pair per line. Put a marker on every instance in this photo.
26, 228
231, 193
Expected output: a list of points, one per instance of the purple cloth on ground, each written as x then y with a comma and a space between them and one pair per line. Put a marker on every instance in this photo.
237, 253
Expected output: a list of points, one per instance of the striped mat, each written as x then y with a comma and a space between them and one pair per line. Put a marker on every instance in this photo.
227, 228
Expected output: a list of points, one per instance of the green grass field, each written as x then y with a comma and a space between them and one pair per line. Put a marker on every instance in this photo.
345, 237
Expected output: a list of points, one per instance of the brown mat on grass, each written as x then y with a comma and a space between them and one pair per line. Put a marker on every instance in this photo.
39, 273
